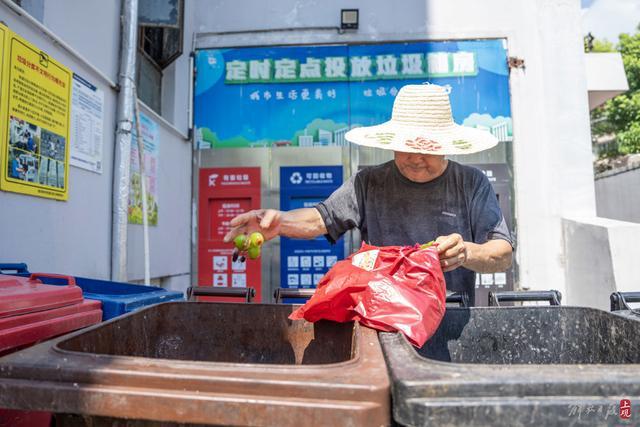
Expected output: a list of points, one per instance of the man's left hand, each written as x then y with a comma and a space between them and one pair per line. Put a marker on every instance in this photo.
452, 251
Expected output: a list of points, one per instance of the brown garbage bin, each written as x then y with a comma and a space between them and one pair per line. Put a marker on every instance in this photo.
208, 364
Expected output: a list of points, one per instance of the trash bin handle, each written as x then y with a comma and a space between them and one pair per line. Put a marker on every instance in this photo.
620, 300
209, 291
71, 281
282, 293
460, 298
19, 268
554, 297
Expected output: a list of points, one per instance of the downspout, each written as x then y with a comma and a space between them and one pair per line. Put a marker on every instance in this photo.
124, 126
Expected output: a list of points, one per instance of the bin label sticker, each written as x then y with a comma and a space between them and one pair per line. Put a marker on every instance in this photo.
239, 280
292, 279
220, 280
220, 263
238, 265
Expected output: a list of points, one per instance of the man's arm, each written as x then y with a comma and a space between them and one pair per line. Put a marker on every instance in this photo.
490, 257
305, 223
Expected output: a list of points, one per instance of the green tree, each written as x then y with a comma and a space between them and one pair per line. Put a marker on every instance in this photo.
621, 115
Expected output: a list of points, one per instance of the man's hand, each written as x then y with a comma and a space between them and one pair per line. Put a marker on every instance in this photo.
489, 257
266, 221
452, 251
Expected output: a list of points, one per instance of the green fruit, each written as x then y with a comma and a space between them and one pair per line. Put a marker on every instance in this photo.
256, 239
254, 252
240, 241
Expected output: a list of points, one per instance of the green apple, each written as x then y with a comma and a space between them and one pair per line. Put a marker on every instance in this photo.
253, 252
256, 239
240, 240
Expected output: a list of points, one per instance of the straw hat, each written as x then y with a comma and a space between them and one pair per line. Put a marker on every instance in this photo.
421, 122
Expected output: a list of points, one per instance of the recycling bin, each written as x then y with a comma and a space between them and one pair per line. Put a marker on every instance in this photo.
208, 364
31, 312
117, 298
517, 366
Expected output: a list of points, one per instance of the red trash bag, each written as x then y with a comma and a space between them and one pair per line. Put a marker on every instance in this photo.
390, 288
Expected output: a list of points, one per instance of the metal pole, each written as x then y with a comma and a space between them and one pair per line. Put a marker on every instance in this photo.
124, 126
143, 187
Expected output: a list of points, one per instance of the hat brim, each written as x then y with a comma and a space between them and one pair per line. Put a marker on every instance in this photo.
450, 140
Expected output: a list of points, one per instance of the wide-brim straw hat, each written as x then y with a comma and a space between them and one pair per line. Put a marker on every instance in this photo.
421, 122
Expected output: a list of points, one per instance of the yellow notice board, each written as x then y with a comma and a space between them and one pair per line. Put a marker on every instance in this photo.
36, 108
4, 37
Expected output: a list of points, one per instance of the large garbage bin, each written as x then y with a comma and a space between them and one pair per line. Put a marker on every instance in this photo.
117, 298
205, 363
517, 366
31, 312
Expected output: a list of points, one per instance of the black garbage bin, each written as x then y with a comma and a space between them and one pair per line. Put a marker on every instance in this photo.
517, 366
204, 364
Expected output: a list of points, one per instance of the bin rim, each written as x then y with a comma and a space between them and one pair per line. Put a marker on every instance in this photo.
525, 367
123, 361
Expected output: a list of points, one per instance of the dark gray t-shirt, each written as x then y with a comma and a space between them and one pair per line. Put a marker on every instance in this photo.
390, 209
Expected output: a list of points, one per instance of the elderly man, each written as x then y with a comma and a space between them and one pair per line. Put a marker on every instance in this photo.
417, 197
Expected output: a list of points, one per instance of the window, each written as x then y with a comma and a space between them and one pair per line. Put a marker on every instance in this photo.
35, 8
160, 36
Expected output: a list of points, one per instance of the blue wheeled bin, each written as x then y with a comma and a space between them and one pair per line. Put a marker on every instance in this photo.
117, 298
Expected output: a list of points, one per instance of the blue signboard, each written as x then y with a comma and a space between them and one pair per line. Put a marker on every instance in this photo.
304, 262
311, 95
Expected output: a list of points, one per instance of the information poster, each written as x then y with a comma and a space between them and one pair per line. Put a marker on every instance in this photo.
87, 108
304, 96
37, 108
151, 141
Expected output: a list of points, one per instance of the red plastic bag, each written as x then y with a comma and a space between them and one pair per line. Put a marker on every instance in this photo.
390, 288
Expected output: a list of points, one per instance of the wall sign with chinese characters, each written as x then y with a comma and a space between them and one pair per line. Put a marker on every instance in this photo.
35, 98
312, 95
304, 262
225, 193
344, 68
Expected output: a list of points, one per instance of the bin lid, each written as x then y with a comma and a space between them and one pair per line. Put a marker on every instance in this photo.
17, 332
20, 295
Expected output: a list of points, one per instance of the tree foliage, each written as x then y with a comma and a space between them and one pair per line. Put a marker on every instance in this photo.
621, 115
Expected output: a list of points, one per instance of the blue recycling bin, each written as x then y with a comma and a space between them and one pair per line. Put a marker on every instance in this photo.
304, 262
117, 298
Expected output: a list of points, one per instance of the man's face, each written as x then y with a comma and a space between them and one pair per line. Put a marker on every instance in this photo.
420, 167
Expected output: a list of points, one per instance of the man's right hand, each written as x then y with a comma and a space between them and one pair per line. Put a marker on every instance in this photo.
266, 221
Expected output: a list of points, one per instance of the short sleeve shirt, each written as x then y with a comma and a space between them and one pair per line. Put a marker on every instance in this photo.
389, 209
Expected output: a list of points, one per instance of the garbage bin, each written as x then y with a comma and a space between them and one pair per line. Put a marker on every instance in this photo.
620, 304
117, 298
205, 363
31, 312
517, 366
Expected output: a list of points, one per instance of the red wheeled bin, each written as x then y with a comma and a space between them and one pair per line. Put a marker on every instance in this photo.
31, 312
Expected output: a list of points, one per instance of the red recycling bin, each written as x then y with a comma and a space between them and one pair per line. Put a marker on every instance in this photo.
31, 312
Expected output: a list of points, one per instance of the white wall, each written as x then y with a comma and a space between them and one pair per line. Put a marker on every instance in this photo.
91, 27
71, 237
598, 259
618, 196
74, 237
169, 241
551, 149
